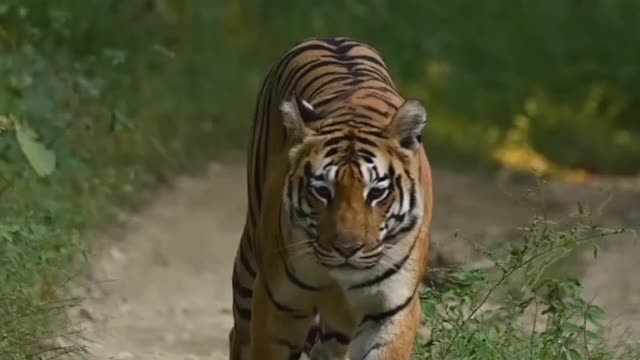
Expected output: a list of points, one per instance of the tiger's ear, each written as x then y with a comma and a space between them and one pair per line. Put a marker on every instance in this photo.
296, 113
408, 123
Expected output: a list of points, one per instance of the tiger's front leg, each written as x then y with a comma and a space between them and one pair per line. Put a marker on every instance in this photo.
278, 330
388, 336
332, 345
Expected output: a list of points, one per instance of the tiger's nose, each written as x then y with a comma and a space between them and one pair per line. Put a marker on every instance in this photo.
347, 248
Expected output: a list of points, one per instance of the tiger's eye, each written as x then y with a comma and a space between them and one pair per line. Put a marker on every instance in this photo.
377, 194
322, 192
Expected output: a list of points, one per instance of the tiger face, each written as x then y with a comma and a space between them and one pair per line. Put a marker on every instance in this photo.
352, 193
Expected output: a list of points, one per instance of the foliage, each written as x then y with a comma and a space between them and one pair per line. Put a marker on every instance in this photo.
518, 312
477, 66
39, 223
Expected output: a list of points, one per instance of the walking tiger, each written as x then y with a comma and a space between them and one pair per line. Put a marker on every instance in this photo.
336, 237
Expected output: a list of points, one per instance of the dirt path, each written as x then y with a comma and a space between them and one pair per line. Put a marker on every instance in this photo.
161, 288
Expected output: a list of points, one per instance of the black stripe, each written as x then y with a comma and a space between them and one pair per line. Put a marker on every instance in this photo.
366, 152
245, 263
331, 129
389, 272
290, 189
364, 76
366, 122
381, 316
340, 338
376, 346
301, 190
375, 110
249, 238
303, 70
259, 124
365, 141
383, 99
376, 133
355, 81
398, 183
325, 84
364, 72
292, 54
238, 288
282, 307
313, 80
345, 48
265, 147
412, 196
299, 283
342, 110
313, 335
334, 141
382, 89
289, 79
413, 221
366, 127
330, 98
332, 151
290, 275
243, 313
252, 218
370, 59
379, 74
257, 163
335, 41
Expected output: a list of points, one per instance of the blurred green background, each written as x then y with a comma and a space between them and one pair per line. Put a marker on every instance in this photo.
106, 98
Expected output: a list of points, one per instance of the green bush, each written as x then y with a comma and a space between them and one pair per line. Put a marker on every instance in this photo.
519, 311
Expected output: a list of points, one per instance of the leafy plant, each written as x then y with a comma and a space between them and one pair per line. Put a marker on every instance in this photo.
517, 312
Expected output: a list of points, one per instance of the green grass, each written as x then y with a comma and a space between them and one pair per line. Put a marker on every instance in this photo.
124, 96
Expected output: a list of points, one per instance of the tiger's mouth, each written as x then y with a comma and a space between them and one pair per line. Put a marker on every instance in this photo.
347, 265
361, 259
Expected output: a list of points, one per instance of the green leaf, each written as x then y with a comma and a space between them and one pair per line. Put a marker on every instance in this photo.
595, 314
41, 159
6, 122
572, 354
4, 34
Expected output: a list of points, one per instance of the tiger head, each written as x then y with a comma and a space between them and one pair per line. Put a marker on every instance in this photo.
352, 194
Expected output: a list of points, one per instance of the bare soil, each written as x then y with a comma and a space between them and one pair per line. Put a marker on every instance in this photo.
160, 282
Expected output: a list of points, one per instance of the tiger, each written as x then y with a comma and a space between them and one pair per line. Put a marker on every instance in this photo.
339, 207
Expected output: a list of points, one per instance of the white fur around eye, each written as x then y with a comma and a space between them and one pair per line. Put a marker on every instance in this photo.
307, 105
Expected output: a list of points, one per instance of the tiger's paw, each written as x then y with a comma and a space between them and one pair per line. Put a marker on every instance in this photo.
327, 351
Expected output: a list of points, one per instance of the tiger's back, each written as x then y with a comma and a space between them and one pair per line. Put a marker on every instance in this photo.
343, 92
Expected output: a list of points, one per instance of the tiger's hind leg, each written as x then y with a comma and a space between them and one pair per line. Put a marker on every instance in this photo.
243, 278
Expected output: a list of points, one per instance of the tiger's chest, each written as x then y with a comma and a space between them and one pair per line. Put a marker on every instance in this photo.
345, 297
